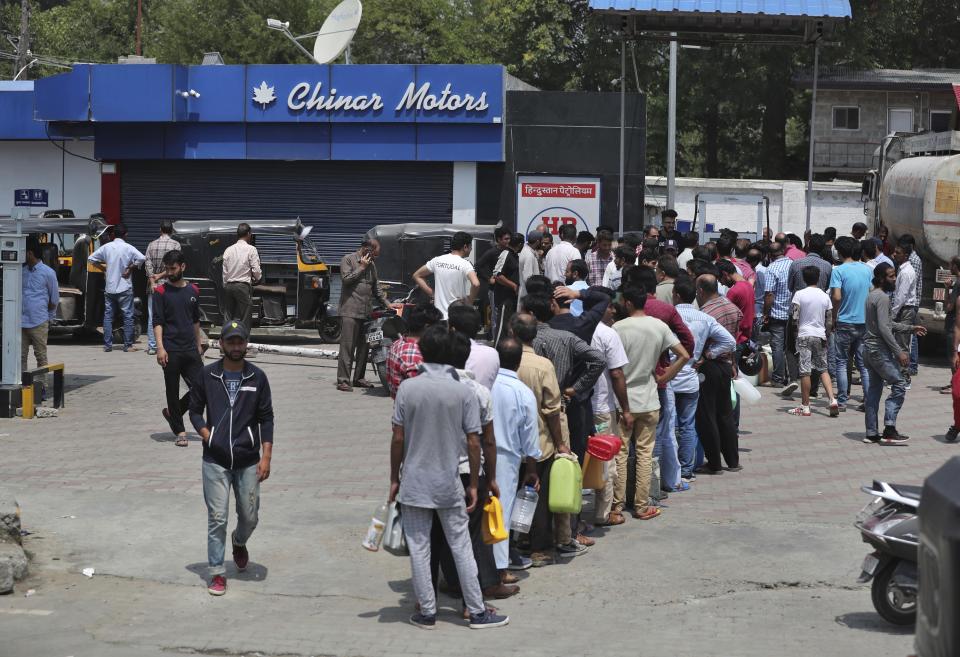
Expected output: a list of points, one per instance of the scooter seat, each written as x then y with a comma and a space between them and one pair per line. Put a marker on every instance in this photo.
910, 492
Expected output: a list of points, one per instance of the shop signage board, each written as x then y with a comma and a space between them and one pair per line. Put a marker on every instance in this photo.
553, 201
375, 93
31, 198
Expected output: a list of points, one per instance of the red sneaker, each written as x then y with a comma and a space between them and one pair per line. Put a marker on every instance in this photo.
218, 585
240, 556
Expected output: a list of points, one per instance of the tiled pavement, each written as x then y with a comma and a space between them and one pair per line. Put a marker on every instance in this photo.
756, 563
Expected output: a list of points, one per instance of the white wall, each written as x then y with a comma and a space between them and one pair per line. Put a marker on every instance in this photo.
465, 193
835, 204
72, 182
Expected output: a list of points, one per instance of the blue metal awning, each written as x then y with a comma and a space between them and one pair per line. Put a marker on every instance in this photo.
811, 8
762, 20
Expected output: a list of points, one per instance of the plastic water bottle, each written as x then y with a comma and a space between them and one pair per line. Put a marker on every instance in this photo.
523, 509
375, 532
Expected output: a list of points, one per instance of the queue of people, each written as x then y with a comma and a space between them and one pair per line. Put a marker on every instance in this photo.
624, 340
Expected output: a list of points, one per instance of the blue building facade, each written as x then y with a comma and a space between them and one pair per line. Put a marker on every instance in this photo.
270, 112
344, 148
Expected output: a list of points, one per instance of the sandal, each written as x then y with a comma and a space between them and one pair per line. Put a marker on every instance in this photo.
344, 387
363, 383
651, 513
615, 518
508, 578
946, 390
584, 540
799, 411
182, 441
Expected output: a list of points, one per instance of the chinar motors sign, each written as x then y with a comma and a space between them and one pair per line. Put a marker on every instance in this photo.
303, 96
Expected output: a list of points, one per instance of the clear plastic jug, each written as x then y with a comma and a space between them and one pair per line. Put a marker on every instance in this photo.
524, 507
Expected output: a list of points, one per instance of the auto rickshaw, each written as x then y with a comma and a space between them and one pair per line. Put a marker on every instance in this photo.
404, 248
295, 287
67, 242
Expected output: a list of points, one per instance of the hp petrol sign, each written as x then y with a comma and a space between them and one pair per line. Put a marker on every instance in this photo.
555, 201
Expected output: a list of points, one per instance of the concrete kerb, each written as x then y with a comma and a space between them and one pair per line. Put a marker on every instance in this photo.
13, 561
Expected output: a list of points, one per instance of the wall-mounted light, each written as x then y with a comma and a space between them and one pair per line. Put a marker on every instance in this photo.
187, 94
108, 168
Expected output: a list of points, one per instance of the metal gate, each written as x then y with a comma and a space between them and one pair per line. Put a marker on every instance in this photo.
341, 200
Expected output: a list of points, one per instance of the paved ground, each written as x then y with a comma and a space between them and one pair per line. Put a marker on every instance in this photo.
752, 564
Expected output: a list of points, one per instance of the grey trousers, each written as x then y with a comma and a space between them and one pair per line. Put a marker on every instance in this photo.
353, 350
236, 303
417, 524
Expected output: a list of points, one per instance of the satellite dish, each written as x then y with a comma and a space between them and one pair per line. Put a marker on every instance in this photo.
337, 31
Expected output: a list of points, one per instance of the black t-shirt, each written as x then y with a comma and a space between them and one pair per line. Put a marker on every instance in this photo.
511, 271
177, 309
485, 265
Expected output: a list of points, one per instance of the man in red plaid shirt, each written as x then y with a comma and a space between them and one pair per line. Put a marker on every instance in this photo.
598, 259
404, 359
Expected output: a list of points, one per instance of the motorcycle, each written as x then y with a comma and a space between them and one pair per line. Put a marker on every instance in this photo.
384, 327
889, 523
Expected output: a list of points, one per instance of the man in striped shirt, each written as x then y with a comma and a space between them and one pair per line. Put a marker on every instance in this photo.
776, 314
156, 272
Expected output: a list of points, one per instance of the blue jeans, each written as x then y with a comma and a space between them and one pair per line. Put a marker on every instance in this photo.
883, 368
123, 301
686, 406
849, 337
914, 354
666, 446
216, 493
151, 338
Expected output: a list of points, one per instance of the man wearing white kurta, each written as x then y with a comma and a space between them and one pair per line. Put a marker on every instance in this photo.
516, 428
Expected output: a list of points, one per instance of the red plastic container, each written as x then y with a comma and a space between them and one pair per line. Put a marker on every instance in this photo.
603, 446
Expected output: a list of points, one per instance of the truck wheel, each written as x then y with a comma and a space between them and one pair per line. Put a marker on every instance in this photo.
893, 603
329, 329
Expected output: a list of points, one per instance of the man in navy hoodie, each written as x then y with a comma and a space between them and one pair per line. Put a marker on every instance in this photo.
238, 424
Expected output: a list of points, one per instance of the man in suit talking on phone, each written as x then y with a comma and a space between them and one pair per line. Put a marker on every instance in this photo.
360, 287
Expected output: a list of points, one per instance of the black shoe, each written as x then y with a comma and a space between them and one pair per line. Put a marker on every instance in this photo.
951, 434
736, 468
704, 470
892, 436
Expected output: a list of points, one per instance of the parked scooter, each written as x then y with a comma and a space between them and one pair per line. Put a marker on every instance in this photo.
890, 525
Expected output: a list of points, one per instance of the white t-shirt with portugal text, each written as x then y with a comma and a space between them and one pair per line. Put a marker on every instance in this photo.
451, 280
814, 304
644, 339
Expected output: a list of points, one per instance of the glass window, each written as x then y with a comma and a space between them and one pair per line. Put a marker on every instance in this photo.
939, 121
899, 120
846, 118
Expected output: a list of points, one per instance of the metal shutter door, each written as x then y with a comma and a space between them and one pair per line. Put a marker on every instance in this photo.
341, 200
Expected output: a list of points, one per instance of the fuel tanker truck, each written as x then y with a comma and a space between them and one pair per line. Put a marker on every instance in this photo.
916, 190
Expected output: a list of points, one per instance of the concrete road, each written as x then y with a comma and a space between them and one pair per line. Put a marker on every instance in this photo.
758, 563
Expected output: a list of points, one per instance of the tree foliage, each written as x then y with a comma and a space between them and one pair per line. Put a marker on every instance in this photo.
739, 115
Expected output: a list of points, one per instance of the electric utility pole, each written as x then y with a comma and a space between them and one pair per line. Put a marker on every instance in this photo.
23, 43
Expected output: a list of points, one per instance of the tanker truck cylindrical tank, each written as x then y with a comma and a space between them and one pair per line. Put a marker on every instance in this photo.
921, 196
